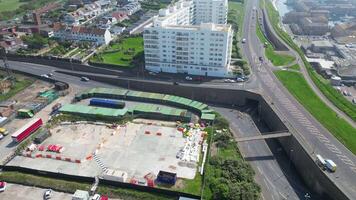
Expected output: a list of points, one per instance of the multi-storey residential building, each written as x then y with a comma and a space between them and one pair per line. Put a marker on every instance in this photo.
192, 49
210, 11
174, 45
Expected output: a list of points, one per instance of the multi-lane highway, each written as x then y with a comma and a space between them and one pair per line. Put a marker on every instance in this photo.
314, 135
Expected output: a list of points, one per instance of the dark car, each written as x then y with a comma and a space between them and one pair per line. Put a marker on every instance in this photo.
175, 83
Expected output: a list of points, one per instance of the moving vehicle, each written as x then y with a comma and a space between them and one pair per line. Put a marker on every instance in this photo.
320, 161
240, 80
243, 40
27, 130
96, 197
49, 74
85, 79
188, 78
44, 76
175, 83
2, 186
4, 132
47, 194
330, 165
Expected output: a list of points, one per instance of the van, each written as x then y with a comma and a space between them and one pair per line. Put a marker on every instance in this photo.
330, 165
320, 161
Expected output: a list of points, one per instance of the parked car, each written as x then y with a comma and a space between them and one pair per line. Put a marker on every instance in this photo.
44, 76
4, 132
240, 80
188, 78
229, 81
2, 186
85, 79
1, 136
49, 74
320, 161
199, 78
354, 100
47, 194
96, 197
175, 83
152, 73
104, 197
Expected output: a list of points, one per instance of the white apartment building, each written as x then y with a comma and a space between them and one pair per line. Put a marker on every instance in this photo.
210, 11
174, 45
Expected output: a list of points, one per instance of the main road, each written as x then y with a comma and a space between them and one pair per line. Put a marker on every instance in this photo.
317, 139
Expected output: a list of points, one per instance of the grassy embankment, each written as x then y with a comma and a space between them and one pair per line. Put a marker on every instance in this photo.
341, 129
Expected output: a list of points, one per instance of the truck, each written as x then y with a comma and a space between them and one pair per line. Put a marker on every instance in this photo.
320, 161
27, 130
330, 165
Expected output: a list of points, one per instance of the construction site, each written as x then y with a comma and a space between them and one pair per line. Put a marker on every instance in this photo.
122, 135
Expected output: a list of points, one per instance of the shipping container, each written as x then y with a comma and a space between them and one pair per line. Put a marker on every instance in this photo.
167, 177
27, 130
107, 103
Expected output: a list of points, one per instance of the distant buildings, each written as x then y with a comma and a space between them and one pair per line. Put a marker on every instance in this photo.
79, 33
176, 43
129, 9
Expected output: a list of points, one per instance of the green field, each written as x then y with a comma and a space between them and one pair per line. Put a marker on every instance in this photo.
20, 84
236, 15
9, 5
277, 59
295, 67
299, 88
122, 53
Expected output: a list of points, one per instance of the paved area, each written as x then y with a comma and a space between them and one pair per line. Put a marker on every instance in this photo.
127, 148
14, 191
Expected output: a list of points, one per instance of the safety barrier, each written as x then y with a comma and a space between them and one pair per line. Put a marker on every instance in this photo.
50, 156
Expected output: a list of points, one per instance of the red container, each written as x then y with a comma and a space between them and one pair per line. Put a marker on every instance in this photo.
27, 130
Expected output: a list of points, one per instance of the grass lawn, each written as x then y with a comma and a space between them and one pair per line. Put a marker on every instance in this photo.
9, 5
295, 67
20, 84
276, 58
122, 53
237, 10
299, 88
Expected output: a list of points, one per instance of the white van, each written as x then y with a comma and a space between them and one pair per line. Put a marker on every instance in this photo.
320, 161
330, 165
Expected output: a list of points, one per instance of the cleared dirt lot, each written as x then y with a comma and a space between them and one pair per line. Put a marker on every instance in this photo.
127, 148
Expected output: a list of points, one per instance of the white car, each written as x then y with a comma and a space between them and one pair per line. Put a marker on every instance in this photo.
188, 78
152, 73
47, 194
229, 81
85, 79
96, 197
240, 80
1, 136
243, 40
45, 76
